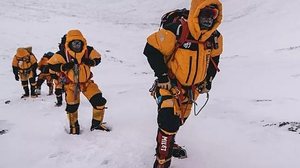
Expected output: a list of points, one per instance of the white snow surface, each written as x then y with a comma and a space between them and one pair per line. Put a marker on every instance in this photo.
258, 85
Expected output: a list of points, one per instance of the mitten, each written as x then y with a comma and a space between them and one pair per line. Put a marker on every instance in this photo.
88, 61
34, 73
204, 87
163, 81
54, 76
68, 66
17, 77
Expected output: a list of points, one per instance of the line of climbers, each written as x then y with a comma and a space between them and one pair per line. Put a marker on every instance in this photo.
25, 68
69, 70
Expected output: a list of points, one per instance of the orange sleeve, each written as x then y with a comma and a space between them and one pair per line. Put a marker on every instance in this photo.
95, 54
163, 40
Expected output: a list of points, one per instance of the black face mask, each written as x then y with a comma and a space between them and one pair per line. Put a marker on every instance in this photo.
206, 22
76, 45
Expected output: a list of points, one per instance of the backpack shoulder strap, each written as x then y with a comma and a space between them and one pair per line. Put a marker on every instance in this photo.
184, 32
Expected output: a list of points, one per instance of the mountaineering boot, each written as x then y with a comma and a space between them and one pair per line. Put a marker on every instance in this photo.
97, 123
50, 90
26, 89
179, 152
165, 142
59, 101
75, 128
38, 90
32, 91
74, 125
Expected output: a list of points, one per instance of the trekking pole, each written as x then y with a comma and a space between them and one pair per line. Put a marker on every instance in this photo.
196, 113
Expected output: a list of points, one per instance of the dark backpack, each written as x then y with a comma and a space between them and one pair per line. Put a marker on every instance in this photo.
48, 54
61, 45
178, 16
173, 17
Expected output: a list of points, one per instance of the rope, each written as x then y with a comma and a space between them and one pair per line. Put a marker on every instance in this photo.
195, 104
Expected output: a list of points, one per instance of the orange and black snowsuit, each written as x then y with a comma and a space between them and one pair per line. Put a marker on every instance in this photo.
24, 66
188, 66
79, 79
45, 74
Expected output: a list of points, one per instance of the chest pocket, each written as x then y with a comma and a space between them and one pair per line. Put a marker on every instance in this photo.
183, 65
190, 62
24, 62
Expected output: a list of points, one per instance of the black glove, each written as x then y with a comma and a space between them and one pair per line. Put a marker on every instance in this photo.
34, 73
68, 66
163, 81
208, 85
54, 76
44, 69
16, 71
17, 77
88, 61
33, 68
205, 87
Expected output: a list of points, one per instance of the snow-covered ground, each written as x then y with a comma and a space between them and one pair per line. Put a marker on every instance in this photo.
256, 90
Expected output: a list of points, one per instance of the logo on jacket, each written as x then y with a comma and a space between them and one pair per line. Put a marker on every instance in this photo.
187, 45
161, 37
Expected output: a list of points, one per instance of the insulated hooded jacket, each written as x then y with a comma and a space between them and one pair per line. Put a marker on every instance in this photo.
66, 55
24, 61
191, 63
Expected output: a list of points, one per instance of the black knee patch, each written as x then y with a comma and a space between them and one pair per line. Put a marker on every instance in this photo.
58, 91
98, 100
167, 120
72, 108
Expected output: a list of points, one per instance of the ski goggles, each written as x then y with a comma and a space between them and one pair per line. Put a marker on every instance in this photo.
207, 16
206, 22
76, 45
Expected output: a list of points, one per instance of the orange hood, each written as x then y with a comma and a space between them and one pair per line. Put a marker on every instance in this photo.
22, 52
193, 23
75, 35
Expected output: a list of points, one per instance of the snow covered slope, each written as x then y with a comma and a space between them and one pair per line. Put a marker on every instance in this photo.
256, 90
